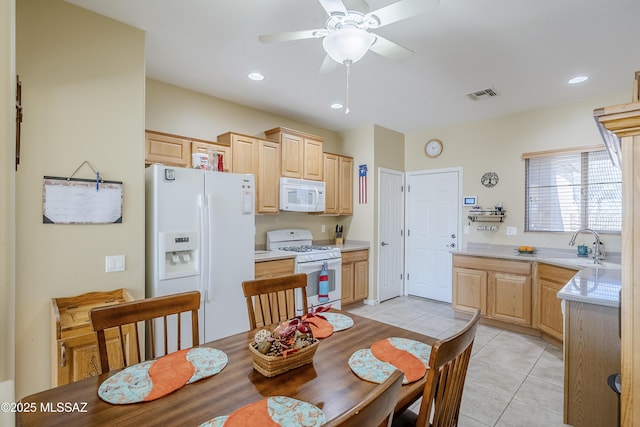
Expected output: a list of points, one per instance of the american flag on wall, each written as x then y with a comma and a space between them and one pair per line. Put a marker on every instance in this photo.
362, 184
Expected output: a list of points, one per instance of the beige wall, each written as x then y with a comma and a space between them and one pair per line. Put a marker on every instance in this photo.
497, 145
83, 96
180, 111
7, 206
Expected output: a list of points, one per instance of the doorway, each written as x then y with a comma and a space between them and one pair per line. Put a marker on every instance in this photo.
390, 233
433, 206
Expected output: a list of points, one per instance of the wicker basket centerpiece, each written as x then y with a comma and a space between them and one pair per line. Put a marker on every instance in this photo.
289, 346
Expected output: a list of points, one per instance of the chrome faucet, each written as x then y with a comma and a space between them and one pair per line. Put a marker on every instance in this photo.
597, 253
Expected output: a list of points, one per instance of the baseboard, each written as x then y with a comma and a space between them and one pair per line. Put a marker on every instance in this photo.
371, 302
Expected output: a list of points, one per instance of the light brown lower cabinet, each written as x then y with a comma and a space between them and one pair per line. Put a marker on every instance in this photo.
551, 279
500, 288
279, 267
591, 354
74, 350
355, 276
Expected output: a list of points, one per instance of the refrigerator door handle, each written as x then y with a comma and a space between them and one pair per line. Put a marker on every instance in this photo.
204, 267
210, 243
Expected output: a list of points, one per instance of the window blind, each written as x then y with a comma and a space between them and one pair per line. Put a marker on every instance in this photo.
570, 191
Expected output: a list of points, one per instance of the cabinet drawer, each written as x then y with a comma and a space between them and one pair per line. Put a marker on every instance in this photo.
556, 274
353, 256
274, 268
492, 264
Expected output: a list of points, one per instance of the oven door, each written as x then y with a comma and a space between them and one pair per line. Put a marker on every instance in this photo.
312, 270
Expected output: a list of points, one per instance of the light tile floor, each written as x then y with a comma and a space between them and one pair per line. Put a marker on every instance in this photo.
513, 379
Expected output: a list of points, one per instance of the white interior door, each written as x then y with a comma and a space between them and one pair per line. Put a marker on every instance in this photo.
433, 227
390, 233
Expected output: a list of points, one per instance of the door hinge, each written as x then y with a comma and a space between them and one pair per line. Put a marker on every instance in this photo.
402, 188
400, 276
407, 276
408, 233
401, 232
408, 189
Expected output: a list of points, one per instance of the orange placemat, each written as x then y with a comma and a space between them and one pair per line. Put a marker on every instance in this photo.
412, 367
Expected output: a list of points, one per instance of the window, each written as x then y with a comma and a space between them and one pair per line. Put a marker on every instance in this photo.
573, 190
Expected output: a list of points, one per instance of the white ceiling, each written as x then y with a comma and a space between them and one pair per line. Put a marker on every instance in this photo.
525, 49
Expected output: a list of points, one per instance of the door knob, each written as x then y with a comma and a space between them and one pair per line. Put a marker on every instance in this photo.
384, 244
453, 236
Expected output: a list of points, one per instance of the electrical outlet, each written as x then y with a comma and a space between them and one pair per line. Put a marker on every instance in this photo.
324, 228
466, 229
512, 231
114, 263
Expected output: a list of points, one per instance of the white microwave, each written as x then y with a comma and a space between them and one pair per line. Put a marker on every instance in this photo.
301, 195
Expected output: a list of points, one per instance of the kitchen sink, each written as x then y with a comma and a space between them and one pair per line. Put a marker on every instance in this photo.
583, 263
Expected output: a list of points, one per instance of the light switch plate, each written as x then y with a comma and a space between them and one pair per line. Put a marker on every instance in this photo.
114, 263
512, 231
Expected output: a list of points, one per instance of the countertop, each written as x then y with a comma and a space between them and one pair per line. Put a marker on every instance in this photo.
262, 255
592, 284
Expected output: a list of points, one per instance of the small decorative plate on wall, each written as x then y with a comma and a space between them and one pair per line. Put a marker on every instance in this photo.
489, 179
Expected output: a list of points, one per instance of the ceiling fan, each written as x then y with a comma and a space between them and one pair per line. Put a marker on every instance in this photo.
346, 35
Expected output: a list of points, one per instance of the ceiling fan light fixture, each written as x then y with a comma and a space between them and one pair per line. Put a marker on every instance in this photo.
347, 45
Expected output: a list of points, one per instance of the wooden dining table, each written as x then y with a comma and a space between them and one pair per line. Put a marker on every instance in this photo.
327, 383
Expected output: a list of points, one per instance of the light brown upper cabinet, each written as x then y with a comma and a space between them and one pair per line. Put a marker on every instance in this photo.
301, 153
207, 147
260, 158
170, 150
338, 176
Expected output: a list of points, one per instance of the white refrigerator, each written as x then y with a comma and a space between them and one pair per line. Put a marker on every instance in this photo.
200, 232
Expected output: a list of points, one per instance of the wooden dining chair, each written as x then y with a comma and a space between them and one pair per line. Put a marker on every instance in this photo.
442, 395
147, 311
376, 409
272, 299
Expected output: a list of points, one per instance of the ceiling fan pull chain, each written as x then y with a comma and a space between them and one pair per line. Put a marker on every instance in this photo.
348, 64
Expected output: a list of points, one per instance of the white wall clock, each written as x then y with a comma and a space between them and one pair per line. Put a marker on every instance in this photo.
433, 148
489, 179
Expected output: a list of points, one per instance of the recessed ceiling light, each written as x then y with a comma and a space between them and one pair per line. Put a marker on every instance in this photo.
337, 106
256, 76
578, 79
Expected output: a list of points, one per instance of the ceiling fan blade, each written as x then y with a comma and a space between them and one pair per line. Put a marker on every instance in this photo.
333, 6
400, 10
390, 50
293, 35
328, 65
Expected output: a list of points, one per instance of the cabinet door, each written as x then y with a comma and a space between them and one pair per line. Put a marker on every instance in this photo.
78, 356
345, 192
550, 314
551, 279
509, 297
361, 280
312, 160
347, 282
268, 178
332, 191
280, 267
292, 155
245, 155
203, 147
168, 150
469, 289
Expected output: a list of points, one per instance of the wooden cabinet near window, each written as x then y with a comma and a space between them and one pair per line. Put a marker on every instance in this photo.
170, 150
74, 349
301, 153
551, 279
260, 158
338, 177
500, 288
355, 276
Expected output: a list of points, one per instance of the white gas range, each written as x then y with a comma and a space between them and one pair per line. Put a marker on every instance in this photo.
310, 259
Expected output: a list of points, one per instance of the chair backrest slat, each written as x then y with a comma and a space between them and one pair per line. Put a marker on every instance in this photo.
125, 317
272, 299
446, 375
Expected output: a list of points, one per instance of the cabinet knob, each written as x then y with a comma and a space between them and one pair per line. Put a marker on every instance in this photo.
450, 245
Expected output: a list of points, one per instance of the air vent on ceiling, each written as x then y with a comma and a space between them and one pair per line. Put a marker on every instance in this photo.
483, 94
